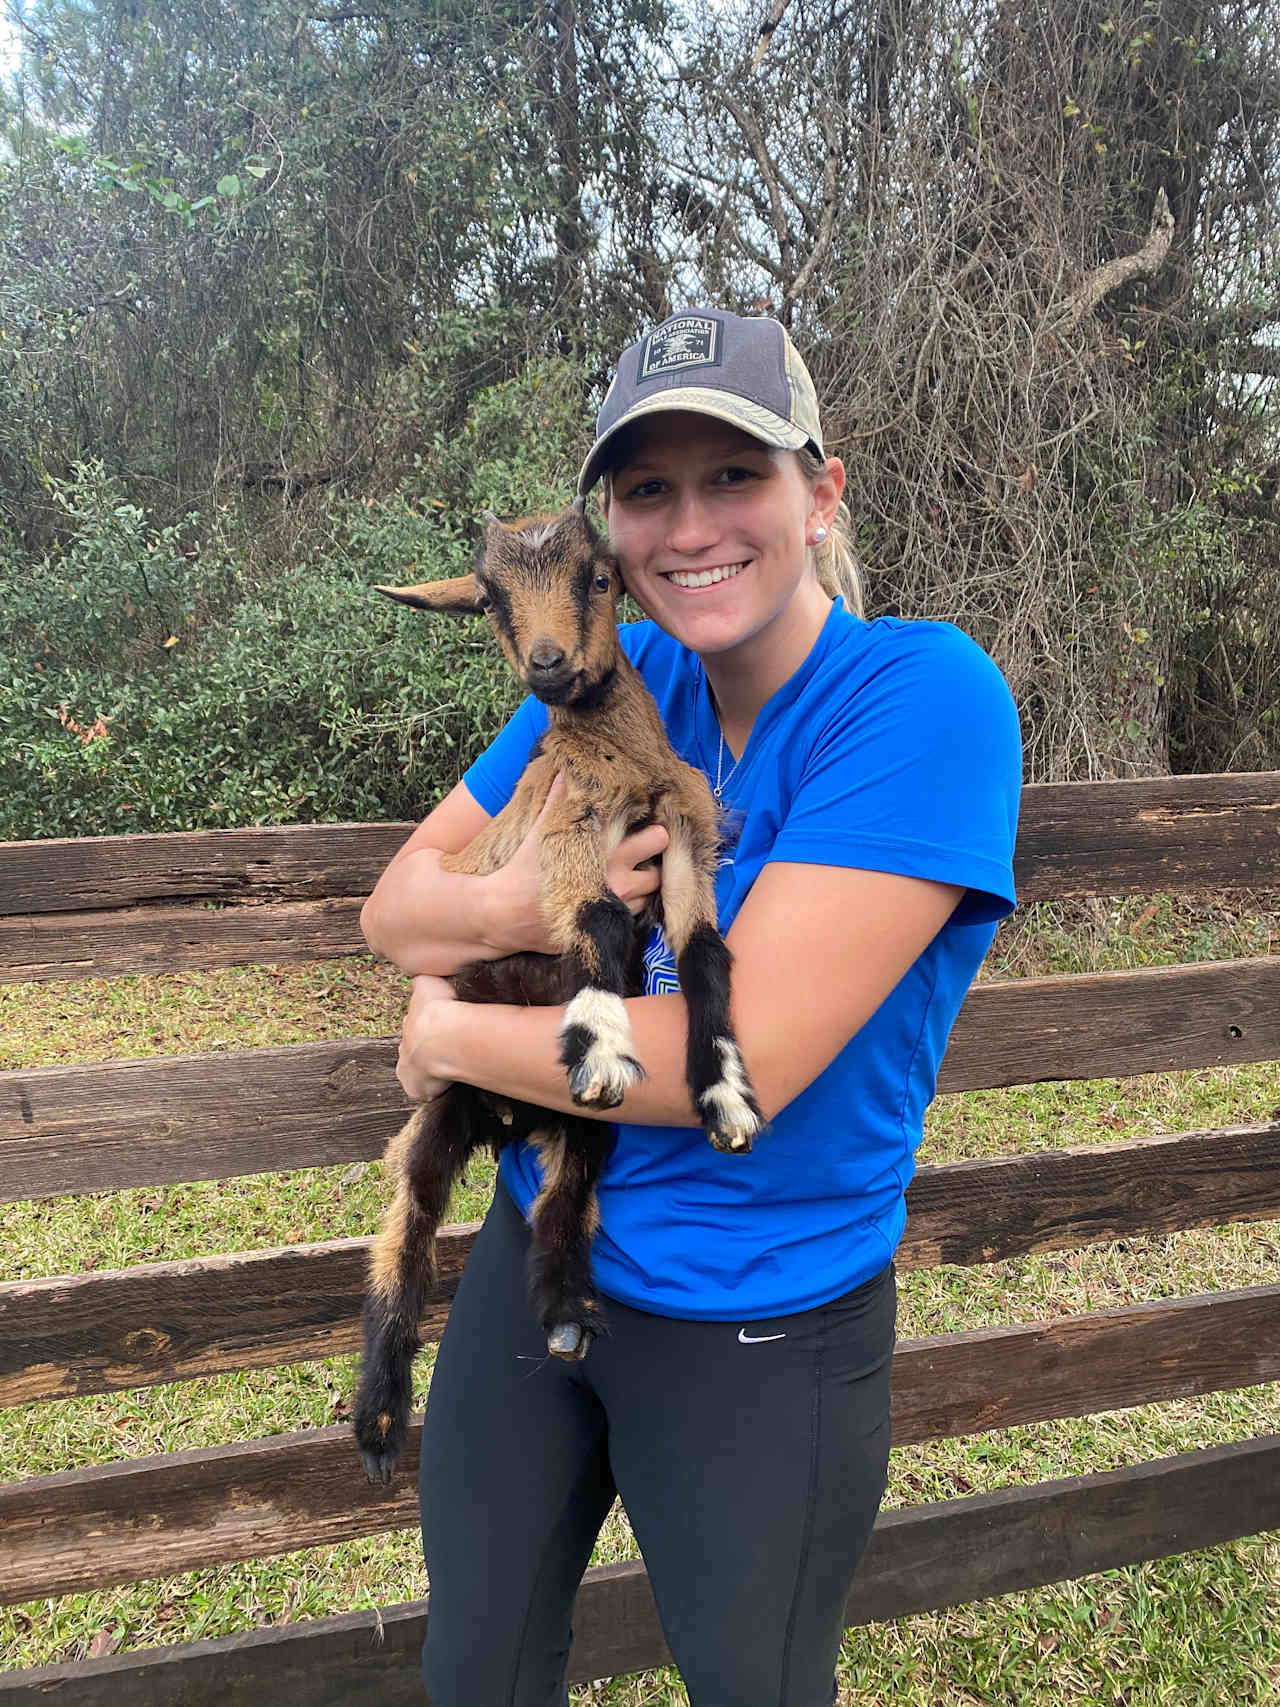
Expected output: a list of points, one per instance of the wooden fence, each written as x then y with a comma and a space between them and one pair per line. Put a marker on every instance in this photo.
157, 903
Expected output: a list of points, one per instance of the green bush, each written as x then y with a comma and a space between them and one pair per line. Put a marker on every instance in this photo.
156, 683
151, 690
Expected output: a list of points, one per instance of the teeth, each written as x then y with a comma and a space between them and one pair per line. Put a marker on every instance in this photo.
706, 577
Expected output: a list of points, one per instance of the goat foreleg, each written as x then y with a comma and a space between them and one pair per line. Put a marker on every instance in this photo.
424, 1158
593, 930
718, 1084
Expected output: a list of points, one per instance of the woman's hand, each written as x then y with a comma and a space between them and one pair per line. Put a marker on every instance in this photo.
514, 890
421, 1067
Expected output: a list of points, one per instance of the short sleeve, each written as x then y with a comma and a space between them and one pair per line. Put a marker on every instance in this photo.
492, 778
919, 772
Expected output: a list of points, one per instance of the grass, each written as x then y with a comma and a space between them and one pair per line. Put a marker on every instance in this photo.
1171, 1633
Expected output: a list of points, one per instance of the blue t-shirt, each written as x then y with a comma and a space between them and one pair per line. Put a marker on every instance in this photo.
894, 747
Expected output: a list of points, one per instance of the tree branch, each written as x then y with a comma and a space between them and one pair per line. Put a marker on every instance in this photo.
1120, 271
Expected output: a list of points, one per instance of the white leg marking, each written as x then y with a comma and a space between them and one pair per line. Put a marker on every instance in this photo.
729, 1101
608, 1066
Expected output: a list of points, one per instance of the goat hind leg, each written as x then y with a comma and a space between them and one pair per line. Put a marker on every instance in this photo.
564, 1219
425, 1158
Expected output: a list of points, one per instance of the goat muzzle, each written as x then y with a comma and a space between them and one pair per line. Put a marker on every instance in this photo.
548, 673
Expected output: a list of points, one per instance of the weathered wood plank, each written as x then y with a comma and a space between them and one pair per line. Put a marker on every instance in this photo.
1115, 1024
1006, 1206
919, 1559
188, 1117
1112, 838
37, 947
100, 1332
290, 862
148, 1517
1148, 833
155, 1122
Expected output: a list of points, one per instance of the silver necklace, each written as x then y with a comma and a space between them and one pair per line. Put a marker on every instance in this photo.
721, 782
718, 785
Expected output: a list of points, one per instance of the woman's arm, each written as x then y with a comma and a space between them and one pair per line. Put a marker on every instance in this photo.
426, 919
816, 950
431, 921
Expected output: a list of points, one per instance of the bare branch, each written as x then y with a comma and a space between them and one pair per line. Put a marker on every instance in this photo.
1143, 263
776, 9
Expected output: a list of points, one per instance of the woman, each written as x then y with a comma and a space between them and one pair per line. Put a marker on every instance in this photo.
870, 774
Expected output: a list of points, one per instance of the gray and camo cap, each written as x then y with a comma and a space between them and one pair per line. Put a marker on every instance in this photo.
743, 371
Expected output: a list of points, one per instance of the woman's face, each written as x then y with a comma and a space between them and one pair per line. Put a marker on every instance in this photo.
710, 527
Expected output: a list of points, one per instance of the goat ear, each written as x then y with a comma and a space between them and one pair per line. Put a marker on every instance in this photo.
576, 522
459, 596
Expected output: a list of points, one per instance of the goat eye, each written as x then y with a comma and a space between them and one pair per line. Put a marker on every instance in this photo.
602, 583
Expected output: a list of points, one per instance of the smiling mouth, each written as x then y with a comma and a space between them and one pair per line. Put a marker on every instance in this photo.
704, 577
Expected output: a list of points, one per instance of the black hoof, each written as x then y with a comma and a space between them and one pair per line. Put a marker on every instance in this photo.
569, 1341
378, 1465
737, 1143
589, 1089
380, 1431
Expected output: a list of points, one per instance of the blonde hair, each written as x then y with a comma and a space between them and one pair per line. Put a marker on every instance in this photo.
834, 559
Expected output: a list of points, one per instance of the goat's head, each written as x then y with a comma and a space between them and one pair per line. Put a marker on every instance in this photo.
550, 589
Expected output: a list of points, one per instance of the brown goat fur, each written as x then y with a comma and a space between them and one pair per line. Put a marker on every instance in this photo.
550, 590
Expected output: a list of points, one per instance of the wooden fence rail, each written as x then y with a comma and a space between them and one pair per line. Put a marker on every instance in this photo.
147, 1517
137, 1327
140, 903
71, 909
920, 1559
153, 1122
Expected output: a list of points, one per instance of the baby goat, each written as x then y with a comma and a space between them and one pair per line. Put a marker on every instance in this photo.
550, 590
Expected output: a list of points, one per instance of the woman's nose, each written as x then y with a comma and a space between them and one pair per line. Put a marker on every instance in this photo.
691, 527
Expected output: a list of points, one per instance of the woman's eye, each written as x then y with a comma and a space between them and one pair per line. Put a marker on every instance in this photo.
735, 476
644, 489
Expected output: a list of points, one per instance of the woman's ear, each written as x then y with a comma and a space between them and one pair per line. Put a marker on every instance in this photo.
826, 492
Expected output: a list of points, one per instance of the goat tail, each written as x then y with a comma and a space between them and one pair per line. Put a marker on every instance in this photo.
425, 1157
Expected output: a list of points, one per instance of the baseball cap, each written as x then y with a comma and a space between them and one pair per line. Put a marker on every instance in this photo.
744, 371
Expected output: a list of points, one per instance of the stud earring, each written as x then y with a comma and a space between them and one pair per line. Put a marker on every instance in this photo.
819, 534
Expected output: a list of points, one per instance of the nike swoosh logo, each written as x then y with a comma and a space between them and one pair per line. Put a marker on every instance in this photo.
744, 1338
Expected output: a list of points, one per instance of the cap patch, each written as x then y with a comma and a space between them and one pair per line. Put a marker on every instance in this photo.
690, 340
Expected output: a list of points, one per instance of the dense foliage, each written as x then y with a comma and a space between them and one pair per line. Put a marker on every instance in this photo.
287, 298
157, 680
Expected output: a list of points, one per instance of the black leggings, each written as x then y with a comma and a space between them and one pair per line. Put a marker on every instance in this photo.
750, 1457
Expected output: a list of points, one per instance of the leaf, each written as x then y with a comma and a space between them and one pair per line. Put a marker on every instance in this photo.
171, 641
229, 184
256, 171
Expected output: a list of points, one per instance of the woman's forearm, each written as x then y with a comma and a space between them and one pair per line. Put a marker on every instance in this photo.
515, 1052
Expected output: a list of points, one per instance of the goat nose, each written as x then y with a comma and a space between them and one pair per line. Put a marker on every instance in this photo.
546, 656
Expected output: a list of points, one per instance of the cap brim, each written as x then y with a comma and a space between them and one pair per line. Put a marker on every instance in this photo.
761, 423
